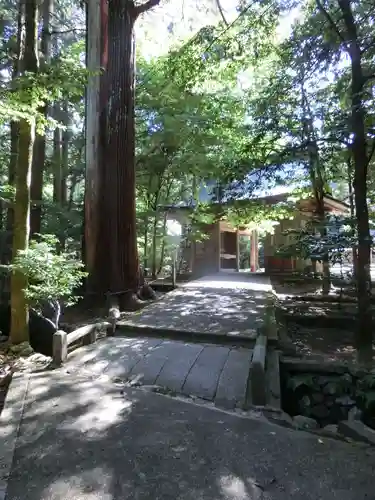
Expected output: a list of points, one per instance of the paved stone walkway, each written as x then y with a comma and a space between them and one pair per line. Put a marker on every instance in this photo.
213, 372
226, 304
83, 439
78, 433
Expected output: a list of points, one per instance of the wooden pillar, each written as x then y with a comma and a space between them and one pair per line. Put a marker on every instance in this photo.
254, 251
218, 246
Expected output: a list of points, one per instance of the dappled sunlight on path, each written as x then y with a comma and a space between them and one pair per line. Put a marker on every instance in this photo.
222, 304
152, 447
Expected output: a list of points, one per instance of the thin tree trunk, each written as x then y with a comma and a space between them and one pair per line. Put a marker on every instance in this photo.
364, 335
14, 128
146, 222
39, 154
162, 250
65, 156
56, 161
154, 243
352, 217
145, 244
164, 230
317, 181
14, 133
28, 61
72, 187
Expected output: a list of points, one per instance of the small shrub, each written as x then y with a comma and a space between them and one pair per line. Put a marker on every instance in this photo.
52, 276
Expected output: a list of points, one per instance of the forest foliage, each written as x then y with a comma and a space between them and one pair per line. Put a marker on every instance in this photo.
249, 98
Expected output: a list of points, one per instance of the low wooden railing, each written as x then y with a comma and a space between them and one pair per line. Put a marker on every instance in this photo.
62, 340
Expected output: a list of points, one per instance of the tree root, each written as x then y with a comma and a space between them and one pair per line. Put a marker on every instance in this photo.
131, 302
146, 292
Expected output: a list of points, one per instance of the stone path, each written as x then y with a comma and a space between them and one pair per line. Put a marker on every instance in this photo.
212, 372
224, 307
78, 432
83, 439
226, 304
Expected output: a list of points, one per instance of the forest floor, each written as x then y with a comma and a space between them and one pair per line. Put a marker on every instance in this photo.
321, 327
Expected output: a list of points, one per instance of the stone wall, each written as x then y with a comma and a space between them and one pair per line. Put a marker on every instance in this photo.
328, 398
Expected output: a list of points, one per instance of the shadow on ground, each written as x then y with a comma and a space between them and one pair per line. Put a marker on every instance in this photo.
84, 439
225, 303
324, 344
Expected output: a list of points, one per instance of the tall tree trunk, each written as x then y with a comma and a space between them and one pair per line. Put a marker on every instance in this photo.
154, 244
56, 160
162, 250
65, 155
72, 188
318, 183
119, 263
146, 223
364, 335
145, 244
119, 174
39, 154
110, 181
14, 133
14, 128
28, 61
96, 50
352, 217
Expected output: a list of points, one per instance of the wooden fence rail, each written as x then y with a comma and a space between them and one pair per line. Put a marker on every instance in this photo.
62, 340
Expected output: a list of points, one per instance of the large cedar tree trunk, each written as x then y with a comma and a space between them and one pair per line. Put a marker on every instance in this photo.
117, 266
96, 50
119, 171
28, 61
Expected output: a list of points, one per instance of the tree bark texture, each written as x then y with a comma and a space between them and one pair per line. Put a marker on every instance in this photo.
110, 215
39, 154
14, 129
56, 160
97, 13
364, 335
317, 182
119, 214
65, 156
352, 216
28, 61
14, 133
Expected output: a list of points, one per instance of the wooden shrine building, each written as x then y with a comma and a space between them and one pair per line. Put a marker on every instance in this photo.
221, 250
